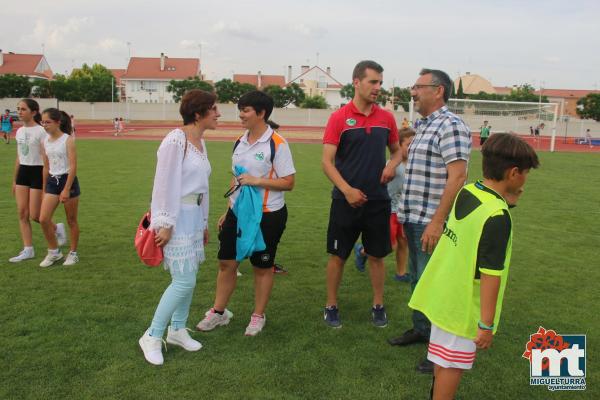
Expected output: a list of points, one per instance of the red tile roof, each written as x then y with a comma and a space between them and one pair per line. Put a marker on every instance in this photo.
266, 80
503, 89
562, 93
118, 73
566, 93
23, 64
149, 68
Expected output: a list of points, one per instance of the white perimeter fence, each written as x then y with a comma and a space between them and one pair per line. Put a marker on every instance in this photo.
106, 112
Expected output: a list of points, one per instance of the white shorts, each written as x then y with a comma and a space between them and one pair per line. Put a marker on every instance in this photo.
450, 351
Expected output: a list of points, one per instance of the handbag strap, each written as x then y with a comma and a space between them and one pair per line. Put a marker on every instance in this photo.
186, 145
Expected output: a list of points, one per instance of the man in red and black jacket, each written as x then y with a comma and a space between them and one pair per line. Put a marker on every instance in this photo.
354, 160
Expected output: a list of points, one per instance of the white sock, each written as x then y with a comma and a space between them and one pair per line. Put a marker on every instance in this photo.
28, 248
52, 251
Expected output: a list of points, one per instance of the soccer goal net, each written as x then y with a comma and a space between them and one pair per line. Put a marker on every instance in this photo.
534, 120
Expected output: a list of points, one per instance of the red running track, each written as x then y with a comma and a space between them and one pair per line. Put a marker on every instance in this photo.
106, 131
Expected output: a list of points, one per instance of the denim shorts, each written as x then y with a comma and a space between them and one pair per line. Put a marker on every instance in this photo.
56, 183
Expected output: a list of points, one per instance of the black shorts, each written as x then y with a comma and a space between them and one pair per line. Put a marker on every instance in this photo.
30, 175
482, 140
56, 184
272, 226
346, 223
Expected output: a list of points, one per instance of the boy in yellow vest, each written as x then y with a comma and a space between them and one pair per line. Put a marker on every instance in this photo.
462, 287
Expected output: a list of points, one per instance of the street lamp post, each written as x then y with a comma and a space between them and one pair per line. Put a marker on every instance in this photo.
540, 102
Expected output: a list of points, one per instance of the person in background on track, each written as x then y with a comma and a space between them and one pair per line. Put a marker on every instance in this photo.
6, 123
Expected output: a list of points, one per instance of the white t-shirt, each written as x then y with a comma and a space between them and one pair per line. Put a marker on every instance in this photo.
56, 151
177, 177
256, 158
29, 144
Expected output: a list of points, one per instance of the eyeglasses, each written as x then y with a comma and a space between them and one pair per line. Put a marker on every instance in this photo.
47, 122
420, 86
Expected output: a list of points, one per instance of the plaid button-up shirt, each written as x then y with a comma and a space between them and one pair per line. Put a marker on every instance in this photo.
441, 138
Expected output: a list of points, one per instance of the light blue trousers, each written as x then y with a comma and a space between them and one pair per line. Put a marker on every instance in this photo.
174, 305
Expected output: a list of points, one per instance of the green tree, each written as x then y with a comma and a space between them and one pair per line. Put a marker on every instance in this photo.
453, 91
383, 97
179, 87
283, 97
91, 84
487, 96
62, 87
525, 92
460, 94
278, 94
41, 88
589, 106
12, 85
400, 97
314, 102
229, 91
296, 94
347, 91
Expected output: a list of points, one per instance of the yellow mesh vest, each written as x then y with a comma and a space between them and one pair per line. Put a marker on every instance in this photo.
448, 293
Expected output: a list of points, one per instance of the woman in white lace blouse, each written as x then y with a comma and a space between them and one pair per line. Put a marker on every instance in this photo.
179, 217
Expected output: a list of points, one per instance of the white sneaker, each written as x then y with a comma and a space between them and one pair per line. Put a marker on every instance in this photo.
25, 254
151, 347
212, 320
239, 273
61, 234
181, 338
72, 258
50, 259
257, 322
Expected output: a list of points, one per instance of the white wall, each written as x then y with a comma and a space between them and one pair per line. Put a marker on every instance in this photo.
154, 91
334, 99
283, 116
11, 104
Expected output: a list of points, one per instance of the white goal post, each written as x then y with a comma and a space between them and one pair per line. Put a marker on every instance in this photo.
505, 116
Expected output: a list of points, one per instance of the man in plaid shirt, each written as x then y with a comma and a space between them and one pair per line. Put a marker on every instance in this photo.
435, 172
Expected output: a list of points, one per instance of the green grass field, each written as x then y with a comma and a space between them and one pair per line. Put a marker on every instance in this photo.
71, 332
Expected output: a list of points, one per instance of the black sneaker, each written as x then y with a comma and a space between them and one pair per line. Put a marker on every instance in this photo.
379, 317
278, 269
425, 367
332, 317
409, 337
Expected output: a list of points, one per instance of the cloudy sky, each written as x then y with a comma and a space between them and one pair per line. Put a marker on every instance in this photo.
556, 42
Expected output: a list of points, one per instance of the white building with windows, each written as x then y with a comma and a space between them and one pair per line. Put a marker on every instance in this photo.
316, 81
146, 79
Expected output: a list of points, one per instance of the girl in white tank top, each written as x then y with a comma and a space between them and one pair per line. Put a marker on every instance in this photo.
61, 184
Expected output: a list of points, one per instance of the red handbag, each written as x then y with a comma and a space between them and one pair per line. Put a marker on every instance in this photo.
149, 253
